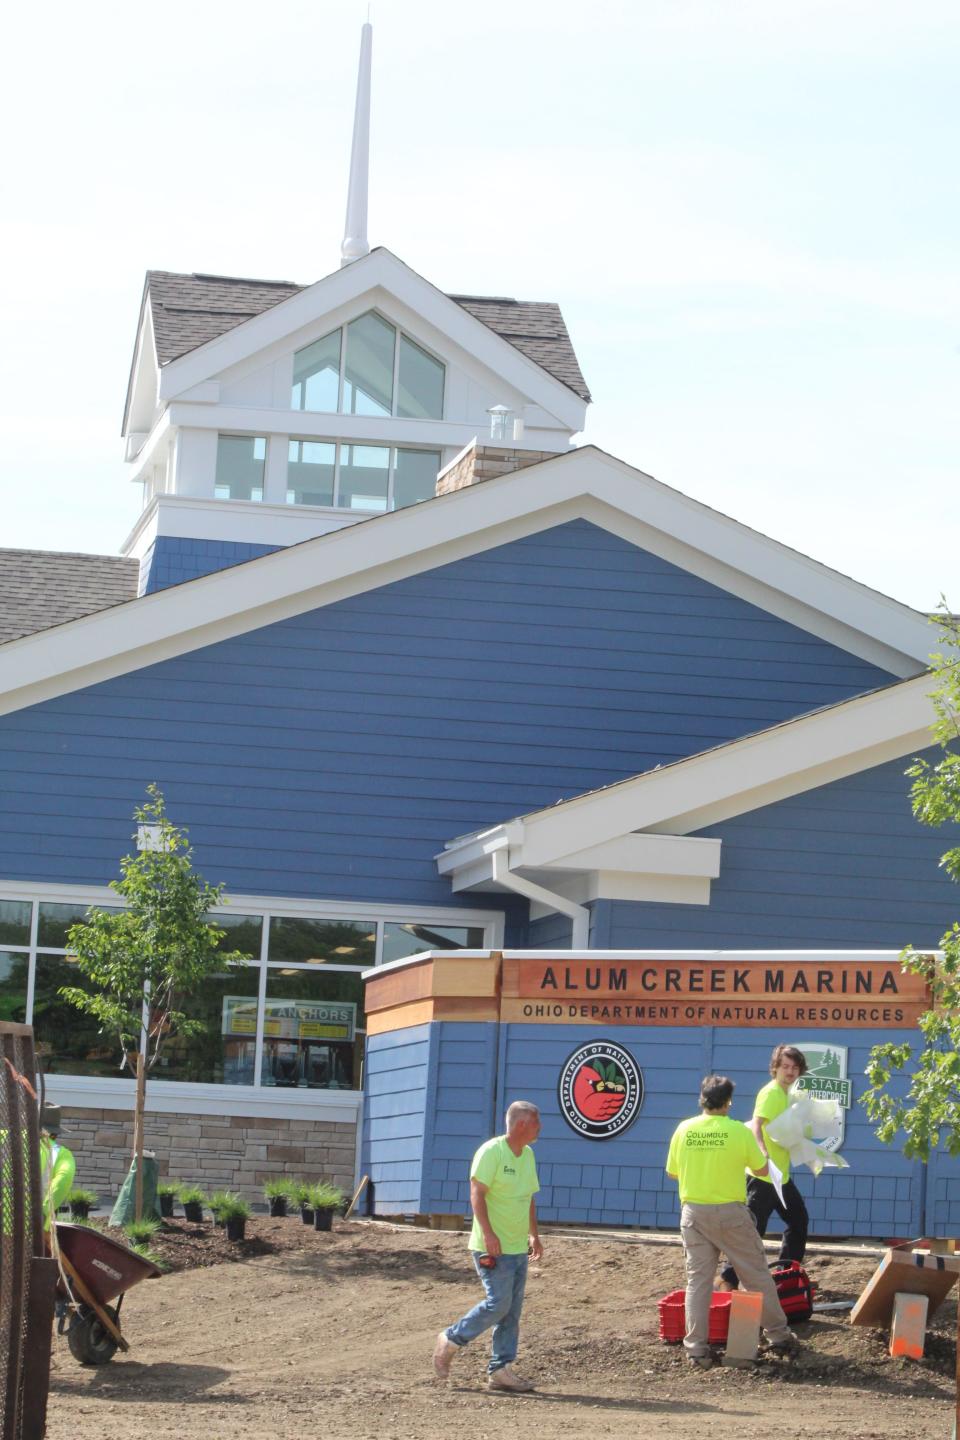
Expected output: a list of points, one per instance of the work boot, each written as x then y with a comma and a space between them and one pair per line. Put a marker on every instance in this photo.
507, 1379
786, 1348
702, 1362
443, 1353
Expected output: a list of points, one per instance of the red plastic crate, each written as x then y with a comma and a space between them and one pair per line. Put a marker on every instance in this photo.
673, 1317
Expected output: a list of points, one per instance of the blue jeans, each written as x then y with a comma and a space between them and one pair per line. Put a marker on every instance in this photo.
504, 1286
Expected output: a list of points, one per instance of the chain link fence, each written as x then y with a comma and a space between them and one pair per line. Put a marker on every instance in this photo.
27, 1275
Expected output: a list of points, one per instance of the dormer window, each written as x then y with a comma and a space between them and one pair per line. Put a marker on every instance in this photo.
368, 367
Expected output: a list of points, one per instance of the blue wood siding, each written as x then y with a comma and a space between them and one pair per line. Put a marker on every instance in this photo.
172, 559
398, 1087
839, 867
334, 753
622, 1181
463, 1114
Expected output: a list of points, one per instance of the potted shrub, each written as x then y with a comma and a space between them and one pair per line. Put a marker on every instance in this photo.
192, 1199
81, 1202
277, 1191
302, 1196
234, 1214
325, 1199
167, 1192
216, 1203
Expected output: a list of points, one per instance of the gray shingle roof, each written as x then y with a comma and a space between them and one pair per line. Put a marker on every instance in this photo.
189, 310
40, 588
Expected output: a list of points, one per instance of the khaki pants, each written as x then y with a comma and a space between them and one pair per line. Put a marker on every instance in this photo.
707, 1230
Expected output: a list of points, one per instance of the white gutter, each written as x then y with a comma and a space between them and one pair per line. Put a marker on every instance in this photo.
579, 914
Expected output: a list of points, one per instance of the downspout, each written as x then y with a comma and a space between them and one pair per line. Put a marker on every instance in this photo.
579, 914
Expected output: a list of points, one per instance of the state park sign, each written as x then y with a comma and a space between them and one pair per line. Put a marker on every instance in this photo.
854, 993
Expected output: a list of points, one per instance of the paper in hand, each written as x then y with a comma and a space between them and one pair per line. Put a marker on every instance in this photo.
775, 1176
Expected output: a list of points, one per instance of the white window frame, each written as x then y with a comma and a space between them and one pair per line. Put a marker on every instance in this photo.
193, 1098
367, 444
341, 388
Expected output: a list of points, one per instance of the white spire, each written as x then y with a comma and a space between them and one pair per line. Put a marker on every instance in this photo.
355, 243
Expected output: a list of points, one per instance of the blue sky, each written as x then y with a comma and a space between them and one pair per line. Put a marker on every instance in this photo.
748, 212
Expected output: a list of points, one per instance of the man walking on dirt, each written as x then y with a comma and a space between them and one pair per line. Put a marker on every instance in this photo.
709, 1155
787, 1064
503, 1183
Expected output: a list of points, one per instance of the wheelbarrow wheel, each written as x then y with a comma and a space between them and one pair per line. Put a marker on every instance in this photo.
89, 1339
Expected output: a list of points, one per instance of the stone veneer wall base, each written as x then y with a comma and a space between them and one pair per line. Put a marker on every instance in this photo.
215, 1152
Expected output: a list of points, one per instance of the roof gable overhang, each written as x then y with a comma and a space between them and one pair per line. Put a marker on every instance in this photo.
581, 484
382, 271
633, 840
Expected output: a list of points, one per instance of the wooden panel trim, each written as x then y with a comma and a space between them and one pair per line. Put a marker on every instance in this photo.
401, 1017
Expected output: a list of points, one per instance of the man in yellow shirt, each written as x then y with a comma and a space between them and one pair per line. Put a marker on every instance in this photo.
503, 1183
787, 1064
709, 1156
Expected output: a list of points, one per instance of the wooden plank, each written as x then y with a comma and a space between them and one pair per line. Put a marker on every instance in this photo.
401, 1017
36, 1367
910, 1272
399, 987
356, 1196
476, 975
465, 1007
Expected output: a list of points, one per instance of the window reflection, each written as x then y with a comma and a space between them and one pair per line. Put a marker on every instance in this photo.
419, 383
224, 1051
310, 472
15, 922
13, 987
364, 369
402, 940
315, 942
240, 462
310, 1039
368, 371
72, 1041
316, 375
54, 921
364, 477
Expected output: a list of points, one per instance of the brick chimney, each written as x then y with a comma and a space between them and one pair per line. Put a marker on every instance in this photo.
484, 462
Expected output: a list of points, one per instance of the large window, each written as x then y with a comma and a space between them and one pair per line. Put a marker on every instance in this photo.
368, 368
240, 462
289, 1017
359, 477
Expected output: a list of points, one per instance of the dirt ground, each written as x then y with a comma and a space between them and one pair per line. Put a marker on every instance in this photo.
312, 1334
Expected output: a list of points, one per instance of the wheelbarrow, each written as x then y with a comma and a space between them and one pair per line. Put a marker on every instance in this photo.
98, 1270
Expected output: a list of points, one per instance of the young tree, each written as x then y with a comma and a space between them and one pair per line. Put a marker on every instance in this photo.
145, 959
928, 1110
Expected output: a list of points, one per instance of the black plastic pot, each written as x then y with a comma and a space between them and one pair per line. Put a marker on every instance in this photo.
278, 1206
166, 1205
323, 1219
193, 1210
236, 1228
306, 1215
79, 1210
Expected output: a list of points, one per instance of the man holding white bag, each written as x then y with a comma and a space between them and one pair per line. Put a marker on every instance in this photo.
787, 1064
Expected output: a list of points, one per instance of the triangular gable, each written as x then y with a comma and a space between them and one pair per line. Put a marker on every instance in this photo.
465, 325
582, 484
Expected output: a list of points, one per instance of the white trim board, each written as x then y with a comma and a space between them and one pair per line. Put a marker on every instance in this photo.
689, 795
582, 484
179, 1097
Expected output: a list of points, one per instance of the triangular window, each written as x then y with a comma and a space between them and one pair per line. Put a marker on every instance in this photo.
368, 367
